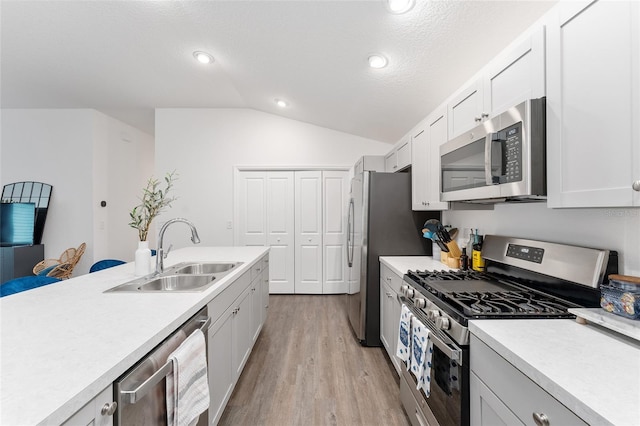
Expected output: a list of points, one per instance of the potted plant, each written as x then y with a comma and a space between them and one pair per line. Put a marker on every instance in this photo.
154, 201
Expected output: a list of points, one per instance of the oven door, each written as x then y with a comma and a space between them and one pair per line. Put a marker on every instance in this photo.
448, 402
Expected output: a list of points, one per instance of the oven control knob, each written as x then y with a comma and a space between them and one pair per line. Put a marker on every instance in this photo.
442, 323
410, 293
403, 289
433, 314
420, 303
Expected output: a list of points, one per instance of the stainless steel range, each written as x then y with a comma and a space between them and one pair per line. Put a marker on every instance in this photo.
523, 279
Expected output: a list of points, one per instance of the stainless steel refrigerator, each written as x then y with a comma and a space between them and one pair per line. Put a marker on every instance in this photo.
380, 223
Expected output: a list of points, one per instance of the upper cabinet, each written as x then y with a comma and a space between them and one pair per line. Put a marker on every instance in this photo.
399, 158
593, 105
426, 139
515, 75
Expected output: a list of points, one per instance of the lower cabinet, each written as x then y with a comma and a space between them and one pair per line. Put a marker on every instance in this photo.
501, 395
233, 334
98, 412
390, 309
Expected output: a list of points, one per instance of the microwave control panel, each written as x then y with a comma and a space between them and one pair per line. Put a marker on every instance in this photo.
512, 153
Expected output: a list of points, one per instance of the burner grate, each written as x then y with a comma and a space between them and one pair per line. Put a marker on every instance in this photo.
523, 303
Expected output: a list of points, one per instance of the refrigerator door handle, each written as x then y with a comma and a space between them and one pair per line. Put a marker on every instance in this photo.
350, 236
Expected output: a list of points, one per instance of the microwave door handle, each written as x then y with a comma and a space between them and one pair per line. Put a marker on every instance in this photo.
488, 175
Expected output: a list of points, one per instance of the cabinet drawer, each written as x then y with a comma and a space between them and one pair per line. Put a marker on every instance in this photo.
519, 393
222, 301
390, 278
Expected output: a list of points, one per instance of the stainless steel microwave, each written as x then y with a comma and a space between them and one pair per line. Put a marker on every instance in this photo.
502, 159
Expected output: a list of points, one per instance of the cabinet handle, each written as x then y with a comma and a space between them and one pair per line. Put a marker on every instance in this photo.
388, 278
541, 419
109, 408
478, 119
389, 295
484, 115
636, 185
395, 167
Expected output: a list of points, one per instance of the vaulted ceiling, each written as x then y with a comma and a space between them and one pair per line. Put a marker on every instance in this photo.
126, 58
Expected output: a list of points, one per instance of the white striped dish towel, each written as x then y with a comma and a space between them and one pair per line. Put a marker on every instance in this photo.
421, 355
403, 347
188, 386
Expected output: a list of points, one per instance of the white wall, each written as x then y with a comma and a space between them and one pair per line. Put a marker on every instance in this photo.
613, 229
204, 145
78, 151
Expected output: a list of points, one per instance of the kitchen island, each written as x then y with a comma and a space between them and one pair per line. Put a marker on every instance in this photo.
64, 343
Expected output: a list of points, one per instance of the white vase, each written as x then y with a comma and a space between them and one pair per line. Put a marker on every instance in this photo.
143, 259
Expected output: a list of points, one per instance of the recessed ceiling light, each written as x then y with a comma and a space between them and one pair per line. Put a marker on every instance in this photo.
377, 61
400, 6
281, 103
203, 57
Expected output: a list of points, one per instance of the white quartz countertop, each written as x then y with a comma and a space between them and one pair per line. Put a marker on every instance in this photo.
401, 264
64, 343
592, 371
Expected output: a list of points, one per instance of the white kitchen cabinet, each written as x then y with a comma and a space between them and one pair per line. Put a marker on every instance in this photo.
486, 408
222, 376
390, 309
516, 74
399, 158
465, 109
501, 394
593, 105
233, 334
98, 412
265, 289
427, 137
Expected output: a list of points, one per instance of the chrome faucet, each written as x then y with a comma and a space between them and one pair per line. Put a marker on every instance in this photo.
160, 255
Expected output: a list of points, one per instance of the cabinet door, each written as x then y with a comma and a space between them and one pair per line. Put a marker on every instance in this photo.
281, 230
516, 75
403, 153
265, 290
256, 307
221, 366
389, 321
334, 232
96, 412
308, 218
593, 105
486, 407
420, 170
465, 109
242, 331
251, 218
391, 161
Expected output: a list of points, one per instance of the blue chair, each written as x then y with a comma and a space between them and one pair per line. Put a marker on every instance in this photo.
17, 285
105, 264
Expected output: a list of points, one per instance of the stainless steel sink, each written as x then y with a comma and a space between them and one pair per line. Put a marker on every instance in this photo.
176, 283
204, 268
180, 278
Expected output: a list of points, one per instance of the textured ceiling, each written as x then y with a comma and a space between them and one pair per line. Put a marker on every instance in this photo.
126, 58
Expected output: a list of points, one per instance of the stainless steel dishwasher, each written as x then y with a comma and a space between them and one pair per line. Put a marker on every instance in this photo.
141, 392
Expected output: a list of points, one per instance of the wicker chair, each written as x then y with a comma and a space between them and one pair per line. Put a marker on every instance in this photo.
63, 266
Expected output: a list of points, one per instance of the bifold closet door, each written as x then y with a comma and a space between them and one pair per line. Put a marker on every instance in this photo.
281, 231
251, 217
308, 239
334, 233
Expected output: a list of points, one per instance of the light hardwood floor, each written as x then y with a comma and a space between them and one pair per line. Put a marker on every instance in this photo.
307, 369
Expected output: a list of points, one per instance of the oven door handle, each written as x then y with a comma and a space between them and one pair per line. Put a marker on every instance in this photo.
448, 348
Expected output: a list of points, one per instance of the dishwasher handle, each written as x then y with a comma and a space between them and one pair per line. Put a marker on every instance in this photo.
134, 395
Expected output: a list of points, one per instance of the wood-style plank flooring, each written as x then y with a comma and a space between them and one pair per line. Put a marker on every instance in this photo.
307, 369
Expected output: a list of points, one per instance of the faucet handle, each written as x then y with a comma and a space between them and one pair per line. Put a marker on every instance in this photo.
166, 253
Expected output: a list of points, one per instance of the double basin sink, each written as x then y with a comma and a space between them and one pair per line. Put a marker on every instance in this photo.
183, 277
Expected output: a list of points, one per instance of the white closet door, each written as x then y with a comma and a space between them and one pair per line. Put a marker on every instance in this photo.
334, 232
251, 218
308, 240
281, 231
